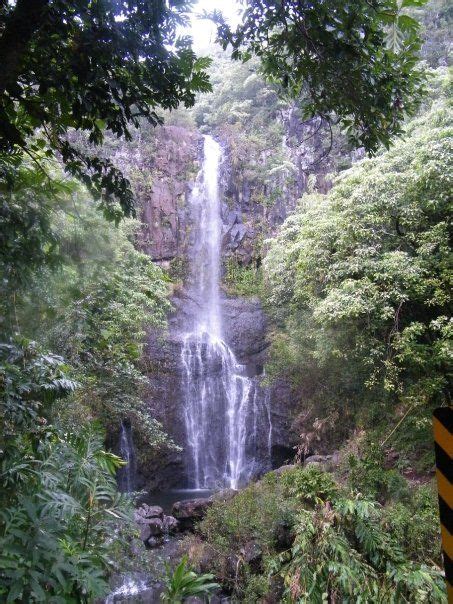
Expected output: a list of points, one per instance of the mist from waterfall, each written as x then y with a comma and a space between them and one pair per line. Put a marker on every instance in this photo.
225, 410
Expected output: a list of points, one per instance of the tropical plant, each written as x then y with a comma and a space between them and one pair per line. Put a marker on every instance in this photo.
92, 67
183, 583
316, 540
341, 552
31, 381
359, 281
83, 290
56, 528
60, 505
349, 60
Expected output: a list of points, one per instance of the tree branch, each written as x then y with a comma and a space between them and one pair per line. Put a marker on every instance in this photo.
24, 21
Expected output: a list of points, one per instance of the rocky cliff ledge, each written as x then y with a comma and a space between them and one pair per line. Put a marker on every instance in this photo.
167, 170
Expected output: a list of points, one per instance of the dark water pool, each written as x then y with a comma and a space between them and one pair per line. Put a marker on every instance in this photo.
166, 499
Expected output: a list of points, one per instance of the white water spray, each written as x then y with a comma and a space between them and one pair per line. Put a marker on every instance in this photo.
126, 475
224, 408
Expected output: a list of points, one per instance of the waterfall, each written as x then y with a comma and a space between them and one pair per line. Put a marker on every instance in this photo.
126, 474
225, 410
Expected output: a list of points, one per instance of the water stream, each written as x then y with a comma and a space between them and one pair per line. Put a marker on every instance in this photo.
126, 475
225, 409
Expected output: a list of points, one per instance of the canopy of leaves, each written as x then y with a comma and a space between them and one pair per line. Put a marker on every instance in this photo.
361, 280
91, 66
77, 285
354, 59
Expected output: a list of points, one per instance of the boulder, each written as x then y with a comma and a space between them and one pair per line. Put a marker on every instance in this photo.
170, 524
150, 540
191, 508
145, 512
318, 461
286, 468
190, 511
245, 328
154, 527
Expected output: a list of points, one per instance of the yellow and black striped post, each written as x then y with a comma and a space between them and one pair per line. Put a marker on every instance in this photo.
443, 442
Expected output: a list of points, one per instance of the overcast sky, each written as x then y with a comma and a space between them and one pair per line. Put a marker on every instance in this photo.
203, 31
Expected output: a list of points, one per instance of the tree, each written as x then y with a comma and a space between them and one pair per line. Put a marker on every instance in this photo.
59, 503
360, 280
352, 60
90, 66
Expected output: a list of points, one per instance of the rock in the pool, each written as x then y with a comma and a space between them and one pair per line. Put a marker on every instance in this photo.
190, 511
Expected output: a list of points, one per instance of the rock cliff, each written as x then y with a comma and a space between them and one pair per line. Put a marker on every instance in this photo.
163, 175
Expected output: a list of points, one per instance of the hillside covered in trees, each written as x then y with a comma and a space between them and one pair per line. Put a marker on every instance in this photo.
225, 311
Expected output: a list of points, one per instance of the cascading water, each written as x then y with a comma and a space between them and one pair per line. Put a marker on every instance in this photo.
126, 475
225, 410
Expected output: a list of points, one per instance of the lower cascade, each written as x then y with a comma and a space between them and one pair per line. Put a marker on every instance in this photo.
226, 411
126, 475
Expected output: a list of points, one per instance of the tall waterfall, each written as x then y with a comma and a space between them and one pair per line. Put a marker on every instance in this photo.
225, 411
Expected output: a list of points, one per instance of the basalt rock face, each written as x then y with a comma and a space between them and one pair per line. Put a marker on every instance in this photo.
174, 165
245, 329
166, 235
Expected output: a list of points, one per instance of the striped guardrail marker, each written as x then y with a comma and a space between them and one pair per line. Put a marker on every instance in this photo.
443, 442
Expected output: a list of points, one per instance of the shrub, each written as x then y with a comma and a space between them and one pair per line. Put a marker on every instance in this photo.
243, 280
369, 475
309, 485
59, 505
342, 552
343, 547
416, 525
183, 583
253, 514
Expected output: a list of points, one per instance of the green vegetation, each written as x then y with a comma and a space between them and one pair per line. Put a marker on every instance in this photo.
355, 59
59, 502
359, 282
74, 284
242, 280
81, 289
95, 67
183, 583
302, 536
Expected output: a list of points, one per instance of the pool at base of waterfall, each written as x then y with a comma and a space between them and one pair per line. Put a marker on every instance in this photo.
166, 499
140, 587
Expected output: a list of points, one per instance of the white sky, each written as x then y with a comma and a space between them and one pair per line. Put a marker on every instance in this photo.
203, 31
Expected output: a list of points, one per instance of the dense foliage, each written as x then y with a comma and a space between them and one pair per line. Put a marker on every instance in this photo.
300, 536
90, 66
59, 502
74, 284
357, 285
359, 282
354, 59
